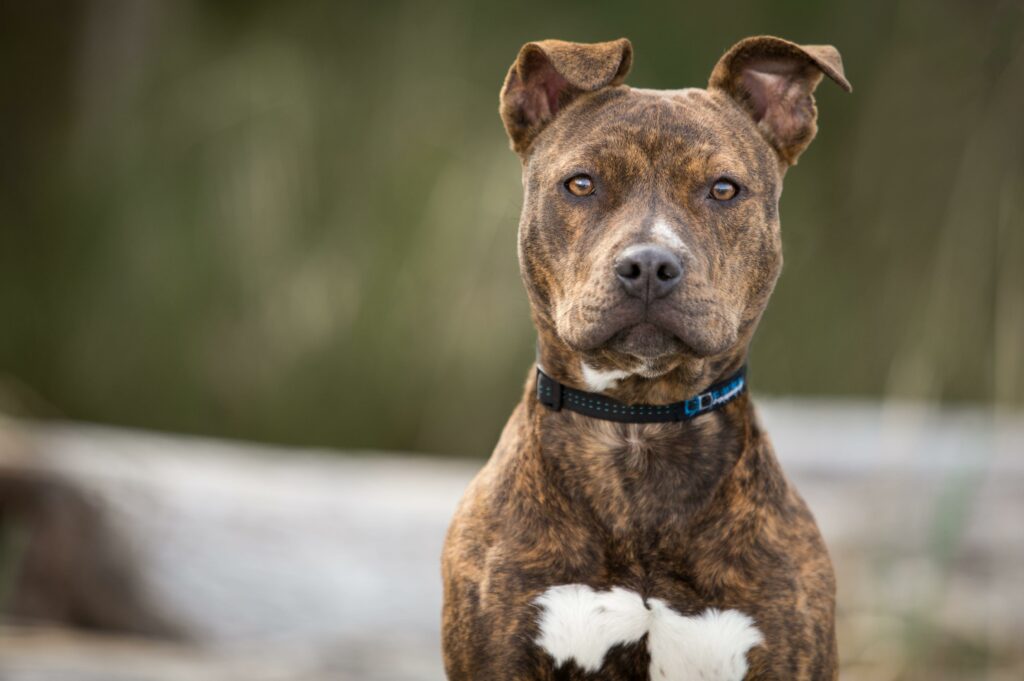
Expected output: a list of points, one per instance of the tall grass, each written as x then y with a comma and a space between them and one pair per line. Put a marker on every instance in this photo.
296, 222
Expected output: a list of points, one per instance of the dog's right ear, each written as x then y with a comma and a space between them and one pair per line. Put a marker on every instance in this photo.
549, 74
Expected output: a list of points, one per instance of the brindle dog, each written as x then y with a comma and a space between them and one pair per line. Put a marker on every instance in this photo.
649, 245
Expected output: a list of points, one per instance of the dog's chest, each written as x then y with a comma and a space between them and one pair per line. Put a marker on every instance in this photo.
641, 484
639, 488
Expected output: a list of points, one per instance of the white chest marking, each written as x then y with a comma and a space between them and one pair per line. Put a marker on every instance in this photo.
712, 645
598, 380
668, 236
581, 624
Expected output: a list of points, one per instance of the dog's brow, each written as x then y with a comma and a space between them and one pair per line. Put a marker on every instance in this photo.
590, 152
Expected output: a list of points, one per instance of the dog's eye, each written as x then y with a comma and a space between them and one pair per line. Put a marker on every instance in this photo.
723, 189
580, 185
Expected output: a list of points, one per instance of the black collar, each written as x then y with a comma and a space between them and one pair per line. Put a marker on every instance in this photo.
555, 396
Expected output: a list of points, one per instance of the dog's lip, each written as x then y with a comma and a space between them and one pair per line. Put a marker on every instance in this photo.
612, 332
687, 348
678, 320
599, 325
637, 339
702, 325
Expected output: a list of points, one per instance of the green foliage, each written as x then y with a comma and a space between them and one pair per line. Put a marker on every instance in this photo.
296, 221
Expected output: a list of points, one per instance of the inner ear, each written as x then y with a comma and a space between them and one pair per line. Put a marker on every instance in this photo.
774, 80
544, 88
769, 84
781, 98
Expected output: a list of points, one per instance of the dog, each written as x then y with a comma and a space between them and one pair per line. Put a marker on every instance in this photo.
633, 521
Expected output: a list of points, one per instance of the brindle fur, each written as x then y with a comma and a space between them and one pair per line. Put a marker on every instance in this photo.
698, 513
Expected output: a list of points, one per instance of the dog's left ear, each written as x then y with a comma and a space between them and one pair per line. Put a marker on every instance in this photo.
549, 74
774, 80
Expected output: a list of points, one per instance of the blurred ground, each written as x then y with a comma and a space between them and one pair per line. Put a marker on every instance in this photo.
237, 561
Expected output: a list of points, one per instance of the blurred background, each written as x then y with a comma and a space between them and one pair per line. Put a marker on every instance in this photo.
295, 224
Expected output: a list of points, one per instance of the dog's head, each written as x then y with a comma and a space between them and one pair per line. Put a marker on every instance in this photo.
649, 237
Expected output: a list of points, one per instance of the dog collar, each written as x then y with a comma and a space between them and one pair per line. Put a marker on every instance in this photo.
556, 396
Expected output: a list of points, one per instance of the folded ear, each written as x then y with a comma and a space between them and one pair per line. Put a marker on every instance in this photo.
549, 74
774, 80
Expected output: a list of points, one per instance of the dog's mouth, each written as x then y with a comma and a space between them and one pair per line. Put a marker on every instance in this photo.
695, 328
646, 341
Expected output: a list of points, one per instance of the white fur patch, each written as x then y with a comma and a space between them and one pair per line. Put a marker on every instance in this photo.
581, 624
712, 645
668, 236
598, 380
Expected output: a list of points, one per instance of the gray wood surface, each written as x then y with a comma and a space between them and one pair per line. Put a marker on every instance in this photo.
220, 560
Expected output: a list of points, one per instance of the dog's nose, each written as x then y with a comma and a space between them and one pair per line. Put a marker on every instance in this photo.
648, 271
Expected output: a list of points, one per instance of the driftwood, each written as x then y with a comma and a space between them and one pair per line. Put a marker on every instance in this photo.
143, 556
